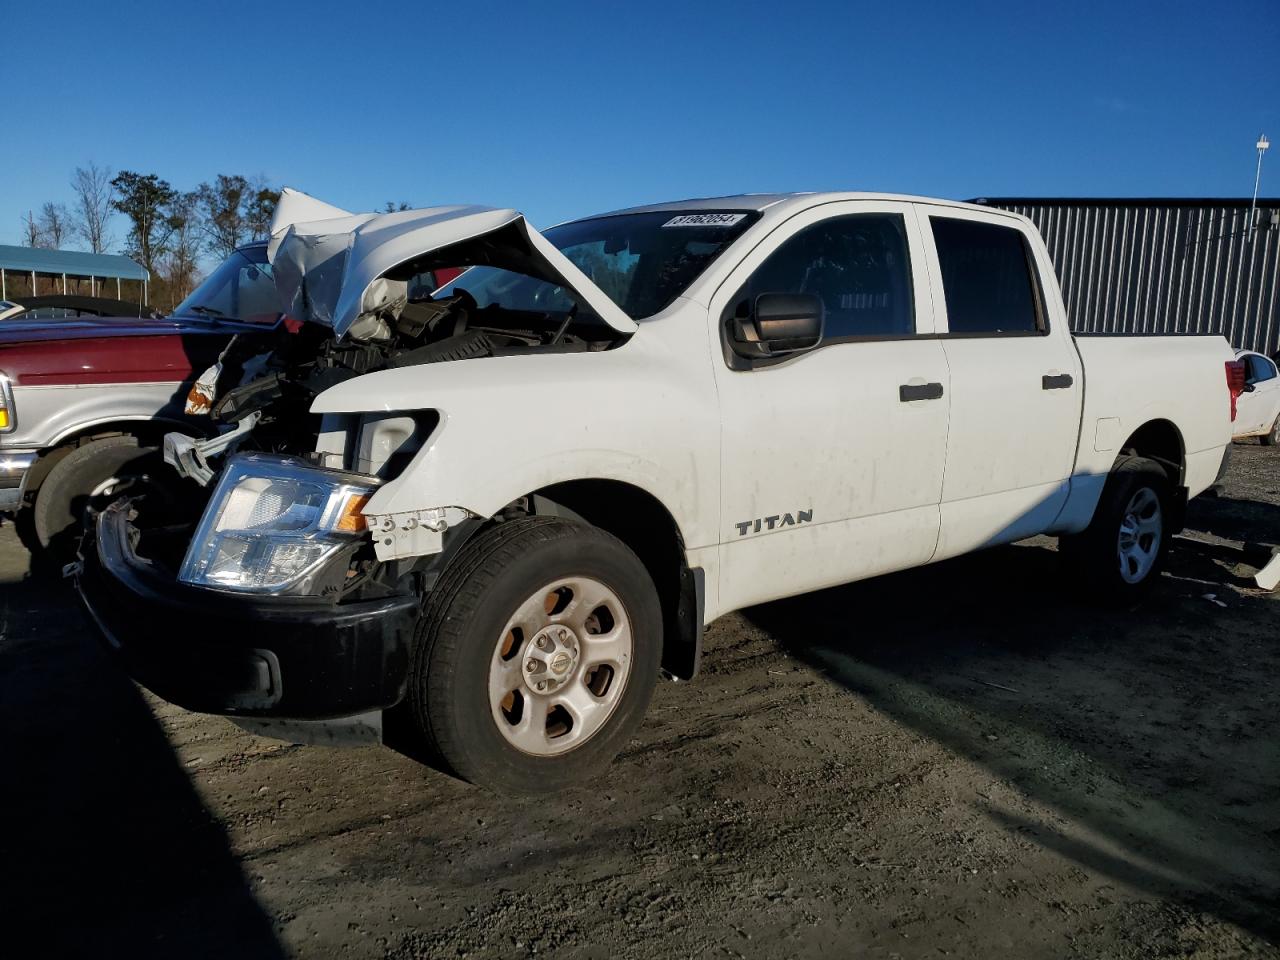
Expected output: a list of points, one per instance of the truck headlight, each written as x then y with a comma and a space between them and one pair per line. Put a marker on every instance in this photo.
273, 522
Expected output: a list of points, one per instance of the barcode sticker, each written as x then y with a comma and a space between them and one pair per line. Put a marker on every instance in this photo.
705, 220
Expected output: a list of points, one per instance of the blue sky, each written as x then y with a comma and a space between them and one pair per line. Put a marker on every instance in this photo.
565, 109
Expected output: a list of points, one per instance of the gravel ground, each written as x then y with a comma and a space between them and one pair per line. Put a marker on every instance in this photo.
957, 761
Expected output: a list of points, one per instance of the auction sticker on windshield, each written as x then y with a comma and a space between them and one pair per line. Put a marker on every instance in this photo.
705, 220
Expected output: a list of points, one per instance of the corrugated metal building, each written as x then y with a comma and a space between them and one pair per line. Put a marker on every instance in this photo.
1162, 265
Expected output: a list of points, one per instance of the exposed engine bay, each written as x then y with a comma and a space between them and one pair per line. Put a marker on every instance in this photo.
273, 496
260, 392
261, 389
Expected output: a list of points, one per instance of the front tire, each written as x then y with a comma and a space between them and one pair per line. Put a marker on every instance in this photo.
90, 476
1120, 554
537, 656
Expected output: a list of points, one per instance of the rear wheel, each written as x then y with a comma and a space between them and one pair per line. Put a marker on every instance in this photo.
537, 656
1272, 437
1122, 551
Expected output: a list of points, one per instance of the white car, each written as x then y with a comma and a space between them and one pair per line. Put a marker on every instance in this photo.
502, 511
1258, 407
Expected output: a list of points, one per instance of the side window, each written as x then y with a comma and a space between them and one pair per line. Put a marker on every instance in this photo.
1260, 369
857, 265
987, 276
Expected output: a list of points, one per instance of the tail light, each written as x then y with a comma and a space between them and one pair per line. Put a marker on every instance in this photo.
1236, 376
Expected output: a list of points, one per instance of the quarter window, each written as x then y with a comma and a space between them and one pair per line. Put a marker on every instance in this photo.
857, 265
987, 277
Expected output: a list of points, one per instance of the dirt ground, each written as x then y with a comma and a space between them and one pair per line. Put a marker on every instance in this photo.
960, 761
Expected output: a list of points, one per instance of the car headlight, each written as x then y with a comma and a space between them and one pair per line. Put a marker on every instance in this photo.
8, 415
273, 522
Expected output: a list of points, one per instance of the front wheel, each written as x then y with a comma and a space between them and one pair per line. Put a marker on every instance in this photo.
89, 477
538, 653
1120, 554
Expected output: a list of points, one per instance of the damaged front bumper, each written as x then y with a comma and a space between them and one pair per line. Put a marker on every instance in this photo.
213, 652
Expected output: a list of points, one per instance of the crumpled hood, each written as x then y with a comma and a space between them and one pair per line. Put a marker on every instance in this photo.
331, 270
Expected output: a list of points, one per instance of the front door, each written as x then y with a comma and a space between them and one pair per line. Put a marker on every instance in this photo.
832, 460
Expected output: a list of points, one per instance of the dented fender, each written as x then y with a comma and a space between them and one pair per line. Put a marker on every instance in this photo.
510, 426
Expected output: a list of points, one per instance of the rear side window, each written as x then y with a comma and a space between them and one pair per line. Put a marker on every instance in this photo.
1260, 369
987, 277
857, 265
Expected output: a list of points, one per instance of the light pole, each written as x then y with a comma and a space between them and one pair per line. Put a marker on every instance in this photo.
1262, 145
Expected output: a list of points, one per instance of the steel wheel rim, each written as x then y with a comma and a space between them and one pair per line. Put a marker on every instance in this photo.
105, 488
1141, 532
574, 637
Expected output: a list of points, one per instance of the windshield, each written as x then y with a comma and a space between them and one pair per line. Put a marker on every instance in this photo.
642, 261
240, 289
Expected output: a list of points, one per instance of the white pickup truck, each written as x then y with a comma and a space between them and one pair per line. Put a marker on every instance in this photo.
501, 510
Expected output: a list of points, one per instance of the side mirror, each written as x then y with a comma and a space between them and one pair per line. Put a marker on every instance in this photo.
778, 324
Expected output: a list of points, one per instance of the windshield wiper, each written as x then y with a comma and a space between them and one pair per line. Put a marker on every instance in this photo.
568, 319
210, 311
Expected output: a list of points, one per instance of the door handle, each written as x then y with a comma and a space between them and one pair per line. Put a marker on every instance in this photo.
1057, 381
908, 392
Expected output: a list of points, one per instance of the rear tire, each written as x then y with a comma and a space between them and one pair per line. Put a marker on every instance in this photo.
1120, 554
1272, 437
537, 654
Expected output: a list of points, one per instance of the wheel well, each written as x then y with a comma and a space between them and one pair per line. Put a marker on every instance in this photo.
1159, 440
150, 432
640, 520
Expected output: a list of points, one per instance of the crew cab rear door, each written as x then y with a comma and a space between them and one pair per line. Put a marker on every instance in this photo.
831, 460
1016, 383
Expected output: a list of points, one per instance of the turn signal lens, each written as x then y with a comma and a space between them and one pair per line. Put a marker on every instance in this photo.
351, 519
6, 404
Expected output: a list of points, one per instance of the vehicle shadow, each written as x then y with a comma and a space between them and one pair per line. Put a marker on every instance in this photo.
1138, 744
106, 846
1248, 520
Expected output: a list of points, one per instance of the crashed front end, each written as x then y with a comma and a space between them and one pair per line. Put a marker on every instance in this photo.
275, 606
275, 589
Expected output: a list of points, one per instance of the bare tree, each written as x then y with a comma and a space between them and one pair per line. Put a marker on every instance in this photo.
260, 207
222, 211
31, 235
392, 207
92, 208
55, 224
179, 266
